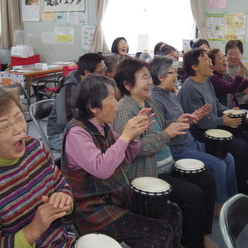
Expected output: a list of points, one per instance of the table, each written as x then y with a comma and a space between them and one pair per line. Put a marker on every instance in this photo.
32, 74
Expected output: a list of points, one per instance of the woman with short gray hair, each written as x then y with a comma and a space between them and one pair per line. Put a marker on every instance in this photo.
185, 146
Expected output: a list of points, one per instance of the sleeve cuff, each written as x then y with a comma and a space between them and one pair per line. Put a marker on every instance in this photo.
21, 241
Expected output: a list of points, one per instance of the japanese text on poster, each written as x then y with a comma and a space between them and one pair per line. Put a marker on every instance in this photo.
64, 35
215, 25
235, 26
87, 37
64, 5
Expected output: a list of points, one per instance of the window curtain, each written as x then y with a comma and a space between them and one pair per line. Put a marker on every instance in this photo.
99, 43
198, 12
10, 21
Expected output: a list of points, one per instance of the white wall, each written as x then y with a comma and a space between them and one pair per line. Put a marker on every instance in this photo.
234, 6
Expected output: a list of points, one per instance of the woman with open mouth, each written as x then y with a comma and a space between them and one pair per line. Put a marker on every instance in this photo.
35, 200
120, 47
224, 85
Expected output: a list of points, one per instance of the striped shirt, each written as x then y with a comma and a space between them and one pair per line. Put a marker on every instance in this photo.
22, 186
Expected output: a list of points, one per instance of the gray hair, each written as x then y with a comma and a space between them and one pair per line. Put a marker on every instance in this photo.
159, 67
110, 62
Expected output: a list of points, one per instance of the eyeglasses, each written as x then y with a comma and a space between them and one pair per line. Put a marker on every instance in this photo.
19, 118
172, 72
123, 44
102, 71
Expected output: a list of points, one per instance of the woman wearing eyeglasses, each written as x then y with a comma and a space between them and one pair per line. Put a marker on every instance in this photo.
35, 200
185, 146
155, 158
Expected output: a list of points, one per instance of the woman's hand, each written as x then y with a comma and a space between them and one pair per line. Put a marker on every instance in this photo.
137, 125
203, 111
231, 122
176, 128
188, 118
52, 208
60, 200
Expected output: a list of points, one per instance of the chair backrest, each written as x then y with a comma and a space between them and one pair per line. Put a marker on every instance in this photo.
233, 218
39, 111
22, 91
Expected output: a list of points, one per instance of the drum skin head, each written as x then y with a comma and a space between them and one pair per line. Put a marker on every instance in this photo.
150, 184
94, 240
235, 112
218, 133
189, 164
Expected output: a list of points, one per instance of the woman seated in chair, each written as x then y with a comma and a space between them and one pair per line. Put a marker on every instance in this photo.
164, 77
155, 159
90, 163
35, 200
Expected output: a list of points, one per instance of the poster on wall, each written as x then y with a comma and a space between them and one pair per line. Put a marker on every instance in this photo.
76, 18
64, 5
64, 35
30, 10
235, 26
215, 25
217, 4
87, 37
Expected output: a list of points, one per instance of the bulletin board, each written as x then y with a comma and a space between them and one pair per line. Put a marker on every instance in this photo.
226, 26
61, 35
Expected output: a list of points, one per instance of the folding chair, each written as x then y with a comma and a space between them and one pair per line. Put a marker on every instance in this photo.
41, 85
233, 218
22, 92
40, 81
39, 111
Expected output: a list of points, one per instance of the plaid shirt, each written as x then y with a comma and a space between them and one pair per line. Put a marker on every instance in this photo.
145, 163
99, 202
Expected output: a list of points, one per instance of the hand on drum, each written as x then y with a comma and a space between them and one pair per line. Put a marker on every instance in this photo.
188, 118
46, 214
176, 128
137, 125
231, 122
201, 112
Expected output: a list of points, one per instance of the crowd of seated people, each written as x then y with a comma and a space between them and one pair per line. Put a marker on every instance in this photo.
152, 128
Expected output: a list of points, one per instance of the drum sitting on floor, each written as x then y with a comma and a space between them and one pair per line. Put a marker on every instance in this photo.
218, 142
189, 170
236, 113
149, 196
94, 240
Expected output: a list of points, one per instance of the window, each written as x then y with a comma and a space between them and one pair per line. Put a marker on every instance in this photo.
163, 20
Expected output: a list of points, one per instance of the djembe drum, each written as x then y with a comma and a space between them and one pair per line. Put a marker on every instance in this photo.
189, 170
149, 196
218, 142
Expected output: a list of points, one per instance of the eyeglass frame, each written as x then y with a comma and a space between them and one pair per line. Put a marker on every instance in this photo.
25, 116
172, 72
102, 71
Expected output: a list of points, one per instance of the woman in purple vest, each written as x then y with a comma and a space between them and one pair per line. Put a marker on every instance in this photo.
92, 153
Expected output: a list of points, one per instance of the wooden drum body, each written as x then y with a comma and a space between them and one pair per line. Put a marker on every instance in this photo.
189, 170
218, 142
149, 196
